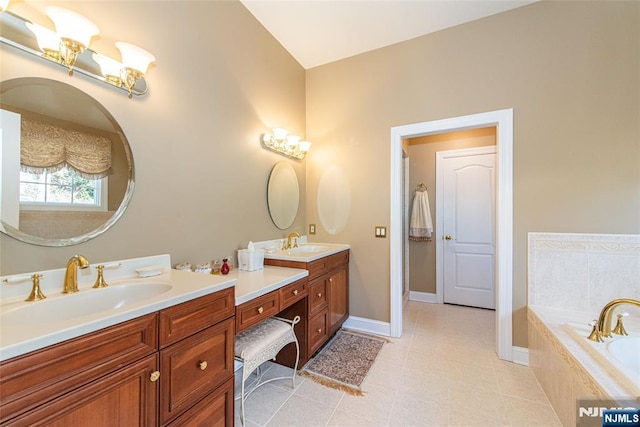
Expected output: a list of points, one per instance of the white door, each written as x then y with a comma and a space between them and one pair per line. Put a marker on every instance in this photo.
467, 183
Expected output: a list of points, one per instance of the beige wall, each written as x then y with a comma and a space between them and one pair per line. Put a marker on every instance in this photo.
422, 169
219, 82
569, 70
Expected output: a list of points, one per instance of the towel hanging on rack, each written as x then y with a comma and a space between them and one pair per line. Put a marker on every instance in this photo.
421, 226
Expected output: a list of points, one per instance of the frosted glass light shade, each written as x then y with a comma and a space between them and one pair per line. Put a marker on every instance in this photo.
305, 146
3, 5
135, 57
72, 25
279, 133
292, 140
108, 66
47, 40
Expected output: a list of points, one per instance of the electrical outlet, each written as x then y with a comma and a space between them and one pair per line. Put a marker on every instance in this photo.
381, 231
312, 229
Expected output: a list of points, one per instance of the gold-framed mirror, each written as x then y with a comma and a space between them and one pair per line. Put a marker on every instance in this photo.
67, 169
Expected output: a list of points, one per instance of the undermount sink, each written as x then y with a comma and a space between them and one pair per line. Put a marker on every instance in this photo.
307, 249
83, 303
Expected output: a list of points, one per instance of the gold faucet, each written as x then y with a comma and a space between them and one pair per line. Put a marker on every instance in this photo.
295, 243
71, 275
604, 321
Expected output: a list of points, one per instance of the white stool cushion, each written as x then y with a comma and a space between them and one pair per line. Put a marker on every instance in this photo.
253, 341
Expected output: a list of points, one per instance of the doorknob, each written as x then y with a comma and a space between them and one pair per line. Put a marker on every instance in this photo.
447, 237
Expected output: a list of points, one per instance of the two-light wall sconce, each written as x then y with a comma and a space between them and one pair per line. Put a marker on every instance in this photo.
281, 142
71, 38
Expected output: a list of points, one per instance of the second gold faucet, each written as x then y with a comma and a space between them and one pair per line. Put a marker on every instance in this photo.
296, 235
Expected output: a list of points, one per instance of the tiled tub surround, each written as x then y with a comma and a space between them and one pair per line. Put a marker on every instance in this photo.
571, 278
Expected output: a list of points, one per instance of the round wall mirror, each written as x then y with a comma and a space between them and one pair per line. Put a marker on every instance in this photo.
67, 169
283, 195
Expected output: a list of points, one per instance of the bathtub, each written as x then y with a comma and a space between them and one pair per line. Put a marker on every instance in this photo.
620, 355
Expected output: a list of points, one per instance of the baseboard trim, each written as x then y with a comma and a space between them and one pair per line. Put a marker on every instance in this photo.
423, 297
521, 355
369, 326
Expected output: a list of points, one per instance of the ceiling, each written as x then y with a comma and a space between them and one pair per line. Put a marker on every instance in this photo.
317, 32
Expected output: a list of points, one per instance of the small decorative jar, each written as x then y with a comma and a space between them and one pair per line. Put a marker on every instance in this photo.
215, 266
225, 267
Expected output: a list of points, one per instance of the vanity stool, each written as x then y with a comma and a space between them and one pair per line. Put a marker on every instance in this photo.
261, 343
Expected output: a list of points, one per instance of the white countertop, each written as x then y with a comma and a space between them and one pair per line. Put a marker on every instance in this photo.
186, 285
253, 284
332, 248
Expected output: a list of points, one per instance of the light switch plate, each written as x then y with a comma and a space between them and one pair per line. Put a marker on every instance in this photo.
312, 229
381, 231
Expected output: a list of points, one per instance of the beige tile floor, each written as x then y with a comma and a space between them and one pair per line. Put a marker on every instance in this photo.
443, 371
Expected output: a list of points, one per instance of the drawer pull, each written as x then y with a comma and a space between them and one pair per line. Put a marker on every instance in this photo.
260, 310
295, 292
331, 279
319, 331
319, 294
155, 375
203, 365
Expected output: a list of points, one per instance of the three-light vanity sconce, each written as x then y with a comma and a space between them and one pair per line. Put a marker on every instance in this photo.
281, 142
72, 37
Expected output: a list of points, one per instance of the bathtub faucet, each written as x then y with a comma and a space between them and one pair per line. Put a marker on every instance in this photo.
604, 321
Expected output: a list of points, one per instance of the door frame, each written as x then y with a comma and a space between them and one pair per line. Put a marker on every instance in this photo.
441, 155
503, 120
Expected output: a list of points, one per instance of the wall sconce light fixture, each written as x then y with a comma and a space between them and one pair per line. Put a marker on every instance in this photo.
281, 142
75, 32
67, 45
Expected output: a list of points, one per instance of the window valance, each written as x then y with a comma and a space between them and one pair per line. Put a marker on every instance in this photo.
46, 147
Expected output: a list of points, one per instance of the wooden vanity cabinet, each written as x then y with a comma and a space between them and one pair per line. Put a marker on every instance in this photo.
110, 377
328, 300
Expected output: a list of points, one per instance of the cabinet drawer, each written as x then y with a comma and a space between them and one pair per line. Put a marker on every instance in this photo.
185, 319
293, 292
28, 381
192, 368
215, 410
256, 310
336, 260
317, 332
318, 267
317, 296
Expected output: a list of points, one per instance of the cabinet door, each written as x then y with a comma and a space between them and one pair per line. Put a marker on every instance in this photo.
127, 397
318, 331
338, 284
27, 382
317, 296
215, 410
195, 366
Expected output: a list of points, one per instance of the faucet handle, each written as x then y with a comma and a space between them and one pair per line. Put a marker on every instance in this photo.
595, 334
100, 282
619, 329
36, 294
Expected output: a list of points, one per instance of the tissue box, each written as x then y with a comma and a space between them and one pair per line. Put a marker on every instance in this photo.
250, 260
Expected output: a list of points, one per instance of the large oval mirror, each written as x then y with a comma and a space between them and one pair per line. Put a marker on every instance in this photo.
67, 169
283, 195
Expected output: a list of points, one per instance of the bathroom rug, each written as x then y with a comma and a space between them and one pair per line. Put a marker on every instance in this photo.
344, 362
